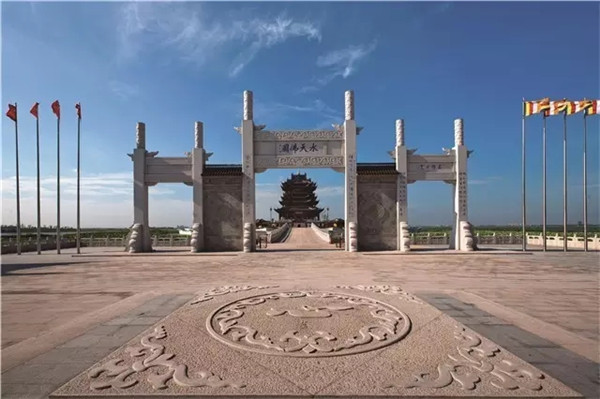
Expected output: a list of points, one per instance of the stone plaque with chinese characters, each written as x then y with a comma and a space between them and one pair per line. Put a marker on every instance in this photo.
298, 149
431, 167
301, 148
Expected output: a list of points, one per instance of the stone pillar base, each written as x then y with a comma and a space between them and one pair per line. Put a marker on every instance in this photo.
467, 241
137, 241
197, 238
404, 237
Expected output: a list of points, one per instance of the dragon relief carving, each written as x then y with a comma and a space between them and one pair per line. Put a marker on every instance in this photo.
227, 289
293, 161
298, 135
389, 325
123, 375
471, 361
384, 289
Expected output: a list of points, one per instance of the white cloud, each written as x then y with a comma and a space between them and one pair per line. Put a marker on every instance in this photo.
197, 38
106, 200
265, 34
273, 111
341, 63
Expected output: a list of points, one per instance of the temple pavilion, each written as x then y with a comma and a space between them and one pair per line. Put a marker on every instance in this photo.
299, 201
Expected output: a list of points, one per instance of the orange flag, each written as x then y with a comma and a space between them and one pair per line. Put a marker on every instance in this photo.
56, 108
34, 110
12, 112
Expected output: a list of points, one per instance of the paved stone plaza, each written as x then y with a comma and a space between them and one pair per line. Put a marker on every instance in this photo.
61, 315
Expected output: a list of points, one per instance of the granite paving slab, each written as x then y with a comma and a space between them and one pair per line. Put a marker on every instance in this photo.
290, 341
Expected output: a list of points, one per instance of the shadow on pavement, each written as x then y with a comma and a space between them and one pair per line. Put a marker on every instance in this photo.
8, 269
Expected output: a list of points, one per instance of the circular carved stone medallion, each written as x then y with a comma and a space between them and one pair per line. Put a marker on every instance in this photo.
308, 324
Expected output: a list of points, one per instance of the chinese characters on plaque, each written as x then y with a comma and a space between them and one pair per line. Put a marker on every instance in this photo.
301, 148
402, 194
462, 190
431, 166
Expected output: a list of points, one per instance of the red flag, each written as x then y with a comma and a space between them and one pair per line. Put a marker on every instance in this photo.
34, 110
12, 112
78, 107
56, 108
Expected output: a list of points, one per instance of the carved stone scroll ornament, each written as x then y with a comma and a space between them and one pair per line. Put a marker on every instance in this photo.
198, 134
140, 135
248, 108
404, 237
466, 236
458, 132
384, 289
353, 236
471, 362
227, 289
154, 356
196, 237
135, 239
399, 132
349, 105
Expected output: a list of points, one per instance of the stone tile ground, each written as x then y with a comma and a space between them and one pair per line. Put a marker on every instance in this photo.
63, 313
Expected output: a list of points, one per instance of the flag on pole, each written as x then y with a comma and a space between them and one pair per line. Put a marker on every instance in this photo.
557, 107
34, 110
56, 108
78, 107
535, 107
12, 112
592, 107
574, 107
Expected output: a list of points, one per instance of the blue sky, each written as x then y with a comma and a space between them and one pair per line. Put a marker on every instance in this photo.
170, 64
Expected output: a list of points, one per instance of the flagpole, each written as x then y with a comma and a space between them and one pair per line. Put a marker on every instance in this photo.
39, 211
18, 191
78, 179
523, 206
544, 213
585, 232
565, 182
58, 185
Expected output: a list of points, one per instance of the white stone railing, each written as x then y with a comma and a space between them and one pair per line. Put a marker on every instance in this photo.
281, 233
556, 240
322, 234
429, 239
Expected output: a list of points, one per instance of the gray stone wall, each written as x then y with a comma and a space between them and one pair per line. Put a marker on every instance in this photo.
377, 212
223, 225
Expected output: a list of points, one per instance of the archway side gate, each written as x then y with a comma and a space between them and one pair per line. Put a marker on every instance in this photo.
375, 200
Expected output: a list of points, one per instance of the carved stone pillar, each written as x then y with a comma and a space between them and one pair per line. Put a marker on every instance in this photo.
403, 237
197, 241
350, 203
248, 183
140, 194
463, 239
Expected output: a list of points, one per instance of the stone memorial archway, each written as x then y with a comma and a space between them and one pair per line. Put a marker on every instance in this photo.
378, 221
264, 149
